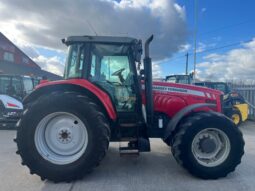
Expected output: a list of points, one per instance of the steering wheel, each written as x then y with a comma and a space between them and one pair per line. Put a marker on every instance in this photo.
113, 83
118, 72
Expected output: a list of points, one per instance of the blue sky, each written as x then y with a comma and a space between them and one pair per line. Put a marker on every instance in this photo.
219, 23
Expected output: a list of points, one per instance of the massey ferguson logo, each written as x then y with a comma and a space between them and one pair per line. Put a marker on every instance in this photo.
169, 89
178, 90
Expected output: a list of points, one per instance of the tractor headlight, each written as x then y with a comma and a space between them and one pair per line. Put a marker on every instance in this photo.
10, 114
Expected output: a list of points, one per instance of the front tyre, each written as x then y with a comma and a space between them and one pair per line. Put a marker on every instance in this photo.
62, 136
208, 145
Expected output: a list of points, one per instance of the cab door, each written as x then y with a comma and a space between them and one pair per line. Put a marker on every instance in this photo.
115, 77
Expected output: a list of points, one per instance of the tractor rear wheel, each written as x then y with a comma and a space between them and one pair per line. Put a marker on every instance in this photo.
62, 136
208, 145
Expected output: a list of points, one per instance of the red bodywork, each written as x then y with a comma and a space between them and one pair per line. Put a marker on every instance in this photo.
169, 98
105, 99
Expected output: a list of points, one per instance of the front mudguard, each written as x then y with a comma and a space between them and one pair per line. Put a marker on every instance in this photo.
179, 116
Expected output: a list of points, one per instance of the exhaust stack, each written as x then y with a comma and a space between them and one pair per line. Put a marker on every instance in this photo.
148, 82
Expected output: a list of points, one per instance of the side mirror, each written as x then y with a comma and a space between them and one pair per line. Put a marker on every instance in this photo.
142, 72
138, 51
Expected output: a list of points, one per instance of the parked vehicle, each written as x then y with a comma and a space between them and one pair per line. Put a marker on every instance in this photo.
13, 88
180, 78
234, 104
17, 86
66, 129
10, 111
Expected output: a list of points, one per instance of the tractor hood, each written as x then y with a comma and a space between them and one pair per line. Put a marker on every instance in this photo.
167, 87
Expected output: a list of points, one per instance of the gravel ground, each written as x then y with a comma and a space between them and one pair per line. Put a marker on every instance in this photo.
156, 170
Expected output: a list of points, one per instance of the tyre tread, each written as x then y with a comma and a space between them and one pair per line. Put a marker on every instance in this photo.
102, 131
179, 155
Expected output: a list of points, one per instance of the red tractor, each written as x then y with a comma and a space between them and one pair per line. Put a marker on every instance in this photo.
67, 125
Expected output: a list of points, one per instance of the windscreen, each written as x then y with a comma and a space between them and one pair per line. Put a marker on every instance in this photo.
28, 85
5, 83
75, 61
171, 79
82, 55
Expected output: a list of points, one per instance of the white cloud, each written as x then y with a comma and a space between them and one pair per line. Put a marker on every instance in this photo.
237, 64
156, 70
52, 64
184, 47
201, 47
44, 23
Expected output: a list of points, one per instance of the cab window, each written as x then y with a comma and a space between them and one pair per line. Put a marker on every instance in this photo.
5, 83
110, 69
28, 85
75, 61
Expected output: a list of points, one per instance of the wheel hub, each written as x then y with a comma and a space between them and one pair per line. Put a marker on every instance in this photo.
210, 147
61, 138
207, 145
64, 136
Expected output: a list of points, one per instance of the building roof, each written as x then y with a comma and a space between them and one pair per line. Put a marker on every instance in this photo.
31, 69
4, 38
18, 69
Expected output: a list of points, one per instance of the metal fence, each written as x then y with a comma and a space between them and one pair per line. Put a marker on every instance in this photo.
248, 92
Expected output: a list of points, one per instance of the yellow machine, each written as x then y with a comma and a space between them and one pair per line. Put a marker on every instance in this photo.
234, 105
240, 113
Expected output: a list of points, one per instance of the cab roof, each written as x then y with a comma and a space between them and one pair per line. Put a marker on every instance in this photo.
100, 39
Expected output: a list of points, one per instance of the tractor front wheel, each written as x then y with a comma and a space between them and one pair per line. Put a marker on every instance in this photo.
62, 136
208, 145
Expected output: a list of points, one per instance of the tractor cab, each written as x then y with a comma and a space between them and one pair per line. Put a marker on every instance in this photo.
109, 63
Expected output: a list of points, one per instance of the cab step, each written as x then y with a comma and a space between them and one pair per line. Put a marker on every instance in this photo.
127, 151
129, 125
128, 139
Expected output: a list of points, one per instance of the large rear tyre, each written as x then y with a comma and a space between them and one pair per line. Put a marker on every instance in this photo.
62, 136
208, 145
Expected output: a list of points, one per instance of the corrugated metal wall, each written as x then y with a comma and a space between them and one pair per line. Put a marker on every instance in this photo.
248, 92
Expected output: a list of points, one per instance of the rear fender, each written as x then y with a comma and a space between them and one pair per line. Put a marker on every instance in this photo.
92, 91
178, 117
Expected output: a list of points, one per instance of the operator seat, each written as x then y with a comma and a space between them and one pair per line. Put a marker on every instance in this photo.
101, 81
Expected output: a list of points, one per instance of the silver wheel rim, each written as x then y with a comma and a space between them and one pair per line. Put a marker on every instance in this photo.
61, 138
214, 155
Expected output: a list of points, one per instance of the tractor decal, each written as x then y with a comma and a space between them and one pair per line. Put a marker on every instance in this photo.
178, 90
